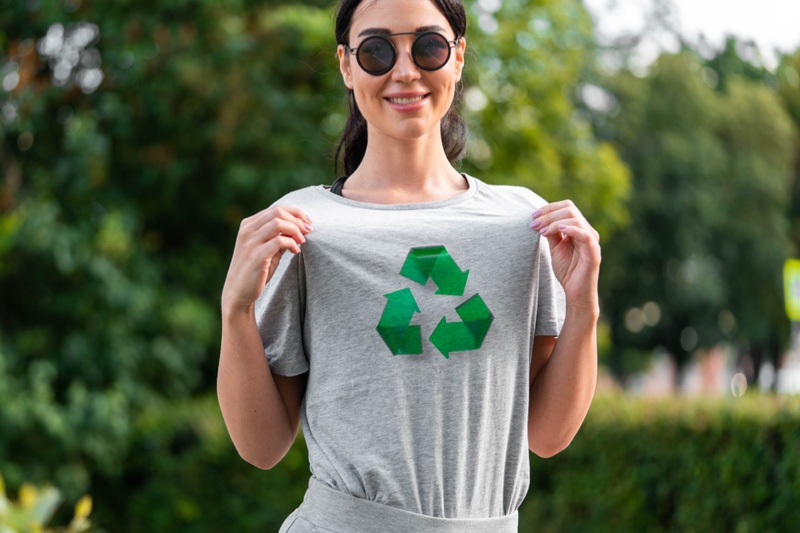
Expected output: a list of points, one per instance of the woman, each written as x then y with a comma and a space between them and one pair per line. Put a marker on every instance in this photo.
433, 329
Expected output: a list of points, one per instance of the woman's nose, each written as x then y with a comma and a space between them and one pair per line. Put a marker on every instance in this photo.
405, 69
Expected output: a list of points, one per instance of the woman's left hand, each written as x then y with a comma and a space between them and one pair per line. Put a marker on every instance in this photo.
575, 250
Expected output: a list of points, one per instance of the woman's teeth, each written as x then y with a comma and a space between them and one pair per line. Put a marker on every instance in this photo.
405, 100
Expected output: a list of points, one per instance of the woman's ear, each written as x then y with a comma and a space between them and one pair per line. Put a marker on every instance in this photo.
344, 66
460, 49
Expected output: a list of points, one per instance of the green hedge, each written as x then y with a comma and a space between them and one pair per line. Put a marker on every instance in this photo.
674, 465
636, 465
184, 475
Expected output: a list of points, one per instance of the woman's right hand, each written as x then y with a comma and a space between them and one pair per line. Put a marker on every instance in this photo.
262, 240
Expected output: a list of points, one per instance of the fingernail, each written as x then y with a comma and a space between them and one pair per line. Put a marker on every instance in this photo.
543, 230
308, 226
536, 213
536, 223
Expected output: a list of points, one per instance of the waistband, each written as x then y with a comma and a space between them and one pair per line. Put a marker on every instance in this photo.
334, 510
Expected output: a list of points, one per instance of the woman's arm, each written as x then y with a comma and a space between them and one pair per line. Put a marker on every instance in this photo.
261, 409
564, 369
562, 389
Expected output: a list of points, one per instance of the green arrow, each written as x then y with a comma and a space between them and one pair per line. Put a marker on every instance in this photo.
395, 325
436, 263
467, 335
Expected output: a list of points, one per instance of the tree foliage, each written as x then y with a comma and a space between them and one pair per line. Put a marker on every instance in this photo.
788, 83
711, 152
529, 59
120, 203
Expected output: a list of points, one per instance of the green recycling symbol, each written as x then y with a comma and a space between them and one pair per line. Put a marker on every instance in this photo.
404, 338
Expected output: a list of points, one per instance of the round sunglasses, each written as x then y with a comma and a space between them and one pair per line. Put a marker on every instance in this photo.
377, 55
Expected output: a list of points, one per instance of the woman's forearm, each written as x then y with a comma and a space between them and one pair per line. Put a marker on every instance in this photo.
562, 391
255, 414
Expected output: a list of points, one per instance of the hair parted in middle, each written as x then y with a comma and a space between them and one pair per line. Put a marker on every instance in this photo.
352, 144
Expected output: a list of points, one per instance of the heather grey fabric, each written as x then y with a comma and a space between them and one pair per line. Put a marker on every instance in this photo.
433, 435
327, 510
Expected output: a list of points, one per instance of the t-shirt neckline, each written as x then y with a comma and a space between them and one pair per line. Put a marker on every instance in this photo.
436, 204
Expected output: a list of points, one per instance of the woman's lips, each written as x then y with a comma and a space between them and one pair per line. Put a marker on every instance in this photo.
407, 102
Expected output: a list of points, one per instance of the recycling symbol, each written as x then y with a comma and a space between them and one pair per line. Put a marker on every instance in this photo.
404, 338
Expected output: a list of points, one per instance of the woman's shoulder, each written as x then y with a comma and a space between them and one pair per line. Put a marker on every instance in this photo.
302, 197
514, 194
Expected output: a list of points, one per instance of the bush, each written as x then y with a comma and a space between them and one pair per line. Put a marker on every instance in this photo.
673, 465
183, 474
636, 465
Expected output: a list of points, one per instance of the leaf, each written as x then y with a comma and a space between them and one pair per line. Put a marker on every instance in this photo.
84, 507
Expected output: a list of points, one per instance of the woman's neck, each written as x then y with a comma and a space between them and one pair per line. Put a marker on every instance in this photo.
401, 172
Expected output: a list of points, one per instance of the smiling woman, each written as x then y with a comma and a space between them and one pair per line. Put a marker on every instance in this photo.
404, 101
428, 42
434, 328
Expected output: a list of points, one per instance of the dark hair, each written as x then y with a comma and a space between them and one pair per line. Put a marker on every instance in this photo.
353, 143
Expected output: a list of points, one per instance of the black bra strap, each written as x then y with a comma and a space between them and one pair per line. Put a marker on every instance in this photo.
336, 188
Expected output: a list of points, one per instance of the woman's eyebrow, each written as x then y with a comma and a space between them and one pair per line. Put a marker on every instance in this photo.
423, 29
386, 31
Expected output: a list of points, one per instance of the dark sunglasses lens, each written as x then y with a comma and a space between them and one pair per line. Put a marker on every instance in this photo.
431, 51
376, 55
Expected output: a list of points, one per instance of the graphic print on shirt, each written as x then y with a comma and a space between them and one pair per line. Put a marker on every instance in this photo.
404, 338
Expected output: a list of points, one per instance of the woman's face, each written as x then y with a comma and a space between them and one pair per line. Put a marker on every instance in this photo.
406, 102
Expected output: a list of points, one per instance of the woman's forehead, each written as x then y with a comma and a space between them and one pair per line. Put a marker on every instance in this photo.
396, 15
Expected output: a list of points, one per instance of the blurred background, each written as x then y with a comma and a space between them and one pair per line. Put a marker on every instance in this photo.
137, 135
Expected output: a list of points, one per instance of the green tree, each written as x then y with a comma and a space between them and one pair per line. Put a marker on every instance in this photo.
712, 173
788, 82
521, 80
121, 200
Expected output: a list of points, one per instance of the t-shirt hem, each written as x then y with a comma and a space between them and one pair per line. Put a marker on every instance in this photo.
287, 370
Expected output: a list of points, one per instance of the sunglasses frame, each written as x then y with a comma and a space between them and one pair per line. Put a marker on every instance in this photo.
385, 37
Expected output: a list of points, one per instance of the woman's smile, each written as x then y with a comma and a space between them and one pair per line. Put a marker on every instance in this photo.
407, 102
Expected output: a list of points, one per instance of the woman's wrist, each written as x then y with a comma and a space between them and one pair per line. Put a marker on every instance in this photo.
232, 312
588, 313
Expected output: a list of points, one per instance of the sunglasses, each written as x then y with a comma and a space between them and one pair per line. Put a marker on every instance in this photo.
377, 55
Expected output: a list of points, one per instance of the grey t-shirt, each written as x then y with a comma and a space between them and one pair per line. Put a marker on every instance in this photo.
415, 324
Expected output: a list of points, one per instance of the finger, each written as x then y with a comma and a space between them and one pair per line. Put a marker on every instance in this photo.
550, 227
568, 216
279, 226
289, 214
555, 239
297, 213
578, 233
571, 228
286, 243
274, 248
554, 206
552, 213
583, 239
293, 215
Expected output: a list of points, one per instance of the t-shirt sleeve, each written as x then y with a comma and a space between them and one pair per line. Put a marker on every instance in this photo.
280, 314
551, 306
